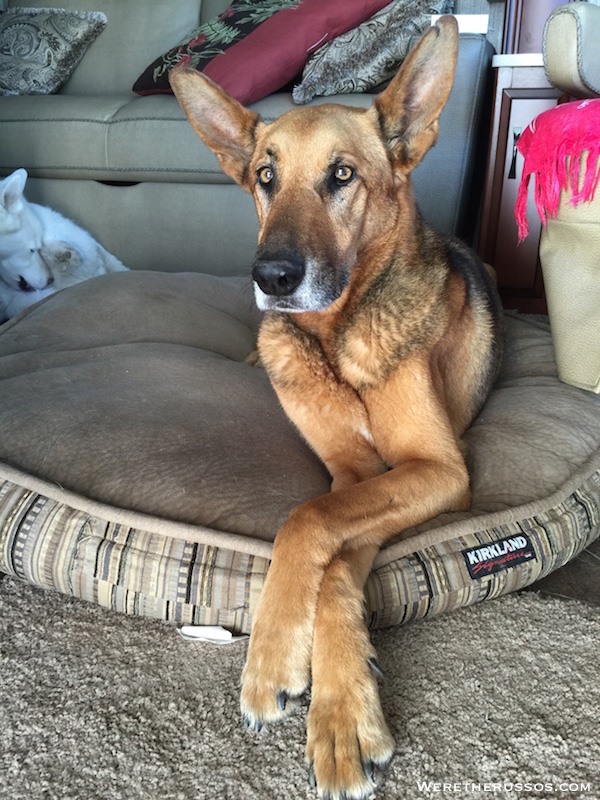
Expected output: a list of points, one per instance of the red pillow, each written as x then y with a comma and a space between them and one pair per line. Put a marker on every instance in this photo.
251, 53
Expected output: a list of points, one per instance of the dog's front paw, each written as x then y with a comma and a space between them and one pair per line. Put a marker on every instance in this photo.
253, 359
61, 256
348, 741
276, 673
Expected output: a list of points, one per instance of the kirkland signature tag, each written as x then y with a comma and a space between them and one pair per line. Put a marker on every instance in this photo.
487, 559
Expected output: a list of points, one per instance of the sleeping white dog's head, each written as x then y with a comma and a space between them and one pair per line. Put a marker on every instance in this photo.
21, 235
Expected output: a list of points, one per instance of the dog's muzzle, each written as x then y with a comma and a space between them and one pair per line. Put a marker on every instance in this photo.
25, 286
279, 277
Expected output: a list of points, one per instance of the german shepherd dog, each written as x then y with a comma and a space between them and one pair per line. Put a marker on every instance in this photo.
382, 340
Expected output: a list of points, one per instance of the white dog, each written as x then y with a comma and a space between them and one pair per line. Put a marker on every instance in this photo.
41, 251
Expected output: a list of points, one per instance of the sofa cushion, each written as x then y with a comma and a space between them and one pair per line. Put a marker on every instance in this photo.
161, 226
58, 135
39, 48
116, 137
254, 51
146, 466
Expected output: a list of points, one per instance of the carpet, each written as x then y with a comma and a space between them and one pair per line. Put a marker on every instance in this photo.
500, 700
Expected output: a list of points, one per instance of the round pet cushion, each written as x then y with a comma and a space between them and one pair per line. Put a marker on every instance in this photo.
147, 466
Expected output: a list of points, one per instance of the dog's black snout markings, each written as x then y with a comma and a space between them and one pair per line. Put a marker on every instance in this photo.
279, 277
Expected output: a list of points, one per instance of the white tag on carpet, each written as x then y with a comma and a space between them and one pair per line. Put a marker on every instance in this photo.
215, 634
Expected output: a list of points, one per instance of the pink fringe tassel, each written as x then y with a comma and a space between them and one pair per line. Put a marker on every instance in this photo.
553, 146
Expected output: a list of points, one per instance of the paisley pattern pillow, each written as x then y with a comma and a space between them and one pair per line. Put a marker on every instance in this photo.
370, 54
40, 47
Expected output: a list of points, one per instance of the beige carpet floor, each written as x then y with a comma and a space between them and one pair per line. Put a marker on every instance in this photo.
98, 705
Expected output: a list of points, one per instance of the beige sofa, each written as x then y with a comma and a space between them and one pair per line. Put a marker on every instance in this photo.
131, 170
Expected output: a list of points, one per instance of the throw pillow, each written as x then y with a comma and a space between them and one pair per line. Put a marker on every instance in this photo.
40, 47
368, 55
257, 46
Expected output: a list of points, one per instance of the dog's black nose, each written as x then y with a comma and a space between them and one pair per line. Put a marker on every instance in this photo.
279, 277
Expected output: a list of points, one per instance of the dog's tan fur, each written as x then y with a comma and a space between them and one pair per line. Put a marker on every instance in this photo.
382, 357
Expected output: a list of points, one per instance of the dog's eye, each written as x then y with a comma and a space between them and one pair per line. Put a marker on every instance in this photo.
343, 174
265, 176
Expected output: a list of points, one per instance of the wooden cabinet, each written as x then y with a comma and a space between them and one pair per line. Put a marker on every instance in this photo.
521, 93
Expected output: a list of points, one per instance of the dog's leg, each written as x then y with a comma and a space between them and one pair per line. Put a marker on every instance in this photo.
413, 432
328, 412
334, 421
347, 737
60, 257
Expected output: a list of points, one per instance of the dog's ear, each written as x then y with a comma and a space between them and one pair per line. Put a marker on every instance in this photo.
11, 191
220, 121
408, 110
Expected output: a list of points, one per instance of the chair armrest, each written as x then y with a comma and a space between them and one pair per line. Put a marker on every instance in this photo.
570, 49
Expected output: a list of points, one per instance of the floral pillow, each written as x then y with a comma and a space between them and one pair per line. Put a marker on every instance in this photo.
366, 56
40, 47
257, 46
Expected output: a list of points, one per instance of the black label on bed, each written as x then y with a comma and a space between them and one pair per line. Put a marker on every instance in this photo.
489, 558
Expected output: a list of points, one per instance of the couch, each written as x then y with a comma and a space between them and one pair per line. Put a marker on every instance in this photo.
131, 170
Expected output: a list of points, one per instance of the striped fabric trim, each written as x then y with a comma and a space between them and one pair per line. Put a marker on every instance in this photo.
142, 573
437, 578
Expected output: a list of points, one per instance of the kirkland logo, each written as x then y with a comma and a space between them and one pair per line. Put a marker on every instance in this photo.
490, 558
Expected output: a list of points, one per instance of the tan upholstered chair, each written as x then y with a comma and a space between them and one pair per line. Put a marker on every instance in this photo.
570, 243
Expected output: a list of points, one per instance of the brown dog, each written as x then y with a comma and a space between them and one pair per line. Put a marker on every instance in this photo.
382, 340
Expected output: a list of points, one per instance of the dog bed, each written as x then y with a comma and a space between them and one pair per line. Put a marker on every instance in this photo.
147, 467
